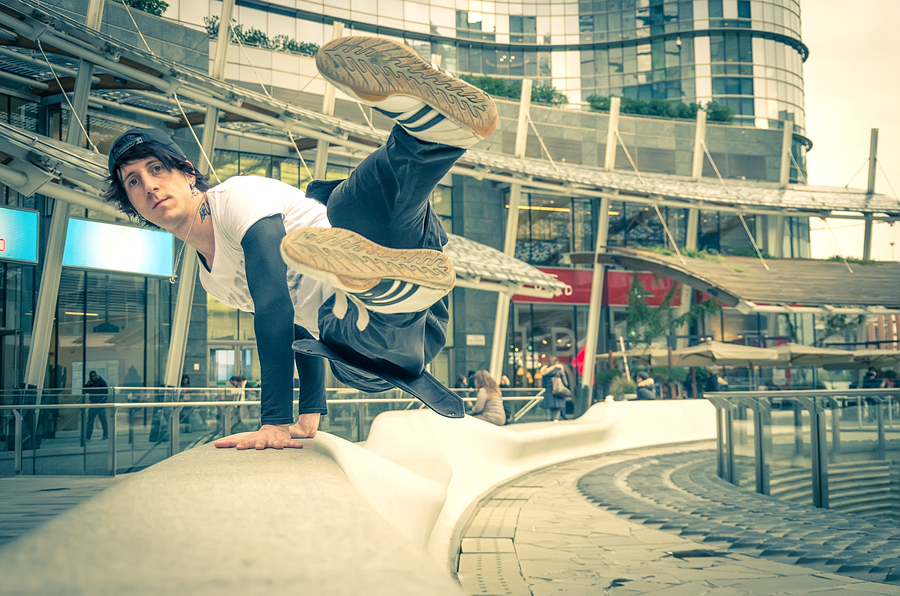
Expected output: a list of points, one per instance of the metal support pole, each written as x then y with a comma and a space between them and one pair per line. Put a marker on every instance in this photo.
818, 455
729, 445
778, 246
609, 162
501, 320
687, 292
593, 324
873, 161
18, 441
699, 140
42, 329
819, 459
835, 431
867, 238
111, 446
187, 278
786, 141
45, 310
762, 420
328, 110
175, 431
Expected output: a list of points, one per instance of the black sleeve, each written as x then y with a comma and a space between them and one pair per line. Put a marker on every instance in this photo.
273, 319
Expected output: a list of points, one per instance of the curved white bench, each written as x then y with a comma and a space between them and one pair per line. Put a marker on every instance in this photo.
333, 518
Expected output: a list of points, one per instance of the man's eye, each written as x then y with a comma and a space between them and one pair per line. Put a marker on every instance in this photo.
157, 168
132, 182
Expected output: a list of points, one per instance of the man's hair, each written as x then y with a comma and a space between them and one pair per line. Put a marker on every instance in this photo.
642, 376
170, 159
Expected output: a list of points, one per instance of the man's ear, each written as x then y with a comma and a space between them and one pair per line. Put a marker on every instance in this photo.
191, 179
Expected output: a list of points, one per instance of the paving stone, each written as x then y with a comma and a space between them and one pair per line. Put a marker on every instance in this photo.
604, 526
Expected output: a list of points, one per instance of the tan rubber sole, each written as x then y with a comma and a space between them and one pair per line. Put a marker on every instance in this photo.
376, 69
348, 261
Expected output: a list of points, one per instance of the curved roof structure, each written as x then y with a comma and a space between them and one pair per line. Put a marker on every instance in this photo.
477, 266
143, 81
781, 285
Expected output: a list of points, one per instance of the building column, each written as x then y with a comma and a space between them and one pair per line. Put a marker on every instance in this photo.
328, 110
699, 140
48, 294
501, 322
593, 324
612, 142
870, 190
687, 292
787, 140
181, 317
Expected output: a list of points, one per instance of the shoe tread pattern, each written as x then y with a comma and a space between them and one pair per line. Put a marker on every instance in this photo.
347, 254
368, 64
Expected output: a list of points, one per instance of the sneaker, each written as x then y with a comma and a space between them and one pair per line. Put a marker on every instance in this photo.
373, 277
430, 104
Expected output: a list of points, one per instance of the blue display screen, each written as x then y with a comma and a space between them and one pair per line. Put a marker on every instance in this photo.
18, 235
110, 247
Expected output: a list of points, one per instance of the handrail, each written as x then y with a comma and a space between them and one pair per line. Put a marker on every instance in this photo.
172, 411
218, 403
817, 429
737, 395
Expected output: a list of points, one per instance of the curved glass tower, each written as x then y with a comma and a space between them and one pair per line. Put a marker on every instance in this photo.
745, 54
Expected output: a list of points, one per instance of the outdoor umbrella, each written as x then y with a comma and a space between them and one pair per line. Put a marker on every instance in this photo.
792, 354
867, 358
645, 354
715, 353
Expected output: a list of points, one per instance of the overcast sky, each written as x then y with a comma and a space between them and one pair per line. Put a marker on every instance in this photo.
852, 79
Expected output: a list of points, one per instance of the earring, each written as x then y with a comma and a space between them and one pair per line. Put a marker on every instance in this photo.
194, 190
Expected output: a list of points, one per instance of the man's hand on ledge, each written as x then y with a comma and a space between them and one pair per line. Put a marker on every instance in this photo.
276, 436
305, 427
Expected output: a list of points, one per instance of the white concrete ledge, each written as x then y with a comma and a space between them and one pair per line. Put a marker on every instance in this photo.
333, 518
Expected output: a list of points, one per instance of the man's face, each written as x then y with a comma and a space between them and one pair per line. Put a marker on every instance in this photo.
161, 196
92, 376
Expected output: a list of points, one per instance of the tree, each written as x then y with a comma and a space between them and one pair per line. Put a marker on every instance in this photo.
495, 87
154, 7
715, 112
257, 38
645, 323
839, 325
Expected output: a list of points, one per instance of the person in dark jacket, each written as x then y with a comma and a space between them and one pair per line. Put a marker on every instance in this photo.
555, 401
97, 392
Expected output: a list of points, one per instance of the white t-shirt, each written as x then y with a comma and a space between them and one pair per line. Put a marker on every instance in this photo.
236, 205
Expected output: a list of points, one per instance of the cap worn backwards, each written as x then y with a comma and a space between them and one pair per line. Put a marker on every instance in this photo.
136, 136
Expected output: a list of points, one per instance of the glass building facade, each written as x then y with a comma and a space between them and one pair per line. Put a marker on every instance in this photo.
744, 54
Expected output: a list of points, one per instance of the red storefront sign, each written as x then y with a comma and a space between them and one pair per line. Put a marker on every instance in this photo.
616, 286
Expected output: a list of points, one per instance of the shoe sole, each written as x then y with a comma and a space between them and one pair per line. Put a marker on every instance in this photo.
375, 69
348, 261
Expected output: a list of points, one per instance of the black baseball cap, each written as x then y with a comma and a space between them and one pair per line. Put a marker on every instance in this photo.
136, 136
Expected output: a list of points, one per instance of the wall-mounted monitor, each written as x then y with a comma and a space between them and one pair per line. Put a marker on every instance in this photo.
19, 235
110, 247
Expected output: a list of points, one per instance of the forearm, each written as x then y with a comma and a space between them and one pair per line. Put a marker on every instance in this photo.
273, 318
274, 336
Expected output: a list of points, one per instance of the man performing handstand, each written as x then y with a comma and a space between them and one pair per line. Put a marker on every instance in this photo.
367, 284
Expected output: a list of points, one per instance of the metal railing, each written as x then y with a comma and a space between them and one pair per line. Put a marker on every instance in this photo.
837, 449
145, 425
